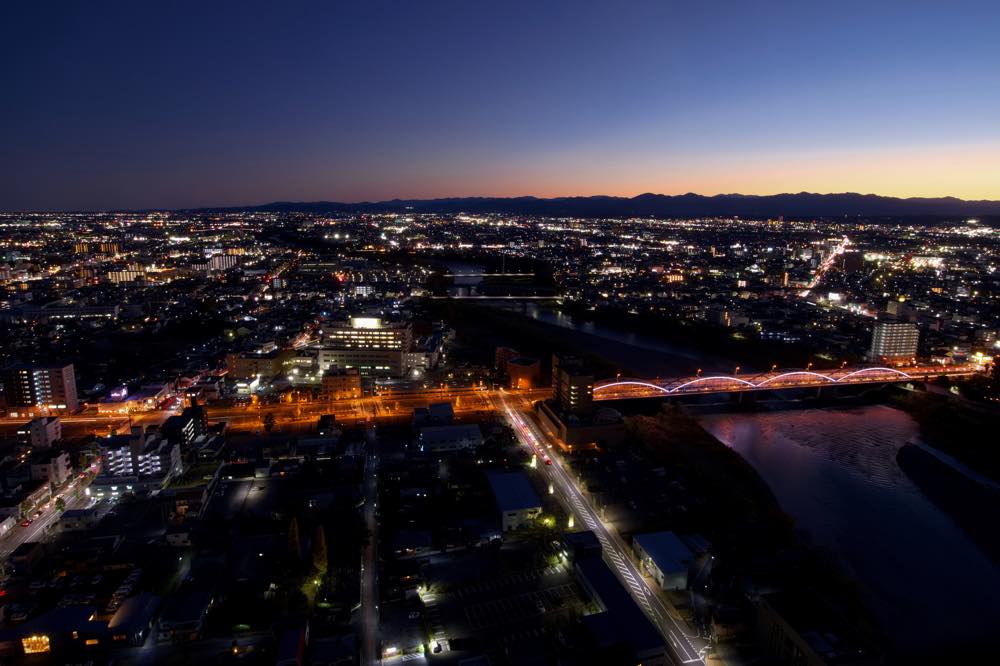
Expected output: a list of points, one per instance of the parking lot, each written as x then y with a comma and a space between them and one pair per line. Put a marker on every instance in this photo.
492, 585
507, 610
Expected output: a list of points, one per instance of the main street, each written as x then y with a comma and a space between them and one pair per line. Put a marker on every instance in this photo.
80, 425
298, 415
72, 494
389, 407
685, 647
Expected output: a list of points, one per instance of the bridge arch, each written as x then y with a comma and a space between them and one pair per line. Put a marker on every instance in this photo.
797, 372
630, 383
877, 369
706, 379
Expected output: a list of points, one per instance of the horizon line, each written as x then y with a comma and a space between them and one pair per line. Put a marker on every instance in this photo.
372, 202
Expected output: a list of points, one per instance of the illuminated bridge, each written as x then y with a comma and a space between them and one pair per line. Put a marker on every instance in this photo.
627, 388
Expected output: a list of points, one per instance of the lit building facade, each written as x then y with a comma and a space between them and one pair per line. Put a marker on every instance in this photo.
373, 347
894, 342
40, 387
572, 386
340, 383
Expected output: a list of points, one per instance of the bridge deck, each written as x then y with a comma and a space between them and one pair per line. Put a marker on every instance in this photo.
619, 389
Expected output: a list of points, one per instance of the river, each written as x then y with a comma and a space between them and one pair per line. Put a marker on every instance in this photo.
656, 358
835, 472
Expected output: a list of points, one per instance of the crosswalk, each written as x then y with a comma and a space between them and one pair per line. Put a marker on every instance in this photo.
614, 552
611, 553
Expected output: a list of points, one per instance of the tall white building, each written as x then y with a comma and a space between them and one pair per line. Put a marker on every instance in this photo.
894, 342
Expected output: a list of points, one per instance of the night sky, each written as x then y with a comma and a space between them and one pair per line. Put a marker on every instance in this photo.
175, 104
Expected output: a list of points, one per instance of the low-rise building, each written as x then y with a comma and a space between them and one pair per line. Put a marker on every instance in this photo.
42, 432
665, 558
437, 413
524, 372
136, 463
81, 520
250, 365
517, 502
122, 401
132, 622
620, 626
798, 628
341, 383
184, 615
6, 525
52, 466
449, 438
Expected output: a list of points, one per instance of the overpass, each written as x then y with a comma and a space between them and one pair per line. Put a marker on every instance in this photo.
628, 388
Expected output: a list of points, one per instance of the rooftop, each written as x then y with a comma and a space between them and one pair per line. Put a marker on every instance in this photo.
513, 491
666, 550
622, 621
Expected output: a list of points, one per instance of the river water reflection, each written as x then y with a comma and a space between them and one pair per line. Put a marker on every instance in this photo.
835, 473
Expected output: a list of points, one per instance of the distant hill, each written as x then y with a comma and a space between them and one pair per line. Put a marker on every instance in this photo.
803, 204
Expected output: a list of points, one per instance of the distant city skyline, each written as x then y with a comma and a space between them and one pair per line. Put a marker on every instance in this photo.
124, 105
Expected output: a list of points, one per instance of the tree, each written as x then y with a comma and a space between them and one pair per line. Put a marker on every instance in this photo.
294, 544
319, 555
60, 504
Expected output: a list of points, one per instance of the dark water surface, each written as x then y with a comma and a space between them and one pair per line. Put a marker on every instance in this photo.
835, 473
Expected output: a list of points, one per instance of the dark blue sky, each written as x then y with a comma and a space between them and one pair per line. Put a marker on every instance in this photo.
147, 104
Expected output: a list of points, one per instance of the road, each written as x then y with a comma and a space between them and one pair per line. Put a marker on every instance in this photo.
684, 646
370, 652
91, 424
392, 406
827, 264
389, 407
37, 530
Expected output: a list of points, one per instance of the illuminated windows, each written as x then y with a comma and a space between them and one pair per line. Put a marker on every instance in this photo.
37, 644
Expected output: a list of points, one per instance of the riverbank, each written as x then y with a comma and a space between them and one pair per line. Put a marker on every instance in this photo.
484, 328
835, 471
969, 503
741, 515
966, 434
751, 353
735, 509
